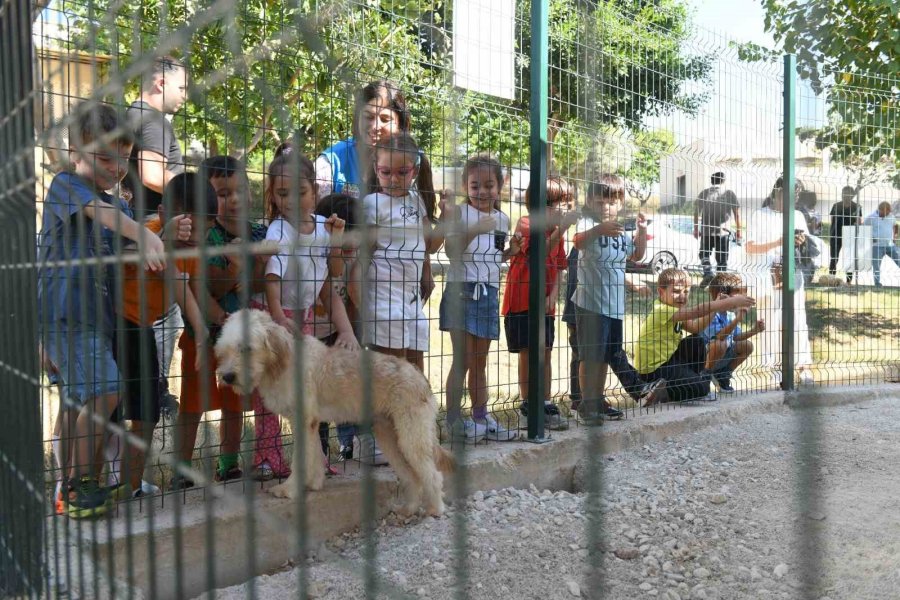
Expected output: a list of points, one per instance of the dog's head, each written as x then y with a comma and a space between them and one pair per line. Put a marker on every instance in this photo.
251, 348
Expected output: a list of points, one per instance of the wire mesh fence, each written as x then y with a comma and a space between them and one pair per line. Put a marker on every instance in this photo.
363, 173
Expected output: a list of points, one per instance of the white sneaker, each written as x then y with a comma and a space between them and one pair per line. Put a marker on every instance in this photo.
148, 488
468, 430
366, 450
497, 432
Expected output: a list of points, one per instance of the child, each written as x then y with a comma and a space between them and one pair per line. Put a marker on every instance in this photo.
395, 322
726, 345
662, 352
308, 256
143, 301
560, 200
470, 308
344, 206
201, 393
599, 299
81, 222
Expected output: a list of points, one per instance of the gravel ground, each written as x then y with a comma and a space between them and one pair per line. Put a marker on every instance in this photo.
707, 515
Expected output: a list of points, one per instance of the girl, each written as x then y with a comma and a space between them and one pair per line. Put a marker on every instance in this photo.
394, 322
470, 307
309, 255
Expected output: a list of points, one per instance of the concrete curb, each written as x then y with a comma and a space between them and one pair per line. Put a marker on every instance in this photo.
150, 543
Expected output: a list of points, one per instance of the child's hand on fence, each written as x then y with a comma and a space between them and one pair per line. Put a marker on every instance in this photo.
178, 228
760, 325
641, 221
610, 229
568, 219
642, 290
335, 225
515, 244
486, 224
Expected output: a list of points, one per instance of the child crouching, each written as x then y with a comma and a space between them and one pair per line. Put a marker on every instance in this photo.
662, 350
727, 346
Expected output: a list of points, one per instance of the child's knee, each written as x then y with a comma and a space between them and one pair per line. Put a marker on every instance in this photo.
743, 348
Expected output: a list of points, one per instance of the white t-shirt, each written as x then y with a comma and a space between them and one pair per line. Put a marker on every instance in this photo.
601, 272
765, 227
399, 251
301, 263
480, 261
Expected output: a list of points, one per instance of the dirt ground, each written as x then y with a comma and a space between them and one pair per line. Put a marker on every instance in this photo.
712, 515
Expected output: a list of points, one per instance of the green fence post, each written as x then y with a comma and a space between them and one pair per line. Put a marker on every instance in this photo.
537, 186
787, 240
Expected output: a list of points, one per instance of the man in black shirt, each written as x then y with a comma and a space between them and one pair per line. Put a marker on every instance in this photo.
156, 157
714, 208
845, 213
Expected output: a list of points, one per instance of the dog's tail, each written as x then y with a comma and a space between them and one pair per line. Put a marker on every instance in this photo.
443, 459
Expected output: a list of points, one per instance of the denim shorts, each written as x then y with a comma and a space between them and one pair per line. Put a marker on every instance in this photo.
721, 366
599, 336
85, 361
471, 307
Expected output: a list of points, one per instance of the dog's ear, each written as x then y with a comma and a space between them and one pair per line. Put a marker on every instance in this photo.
277, 350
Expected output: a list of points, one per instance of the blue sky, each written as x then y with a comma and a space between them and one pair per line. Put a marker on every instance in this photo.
742, 20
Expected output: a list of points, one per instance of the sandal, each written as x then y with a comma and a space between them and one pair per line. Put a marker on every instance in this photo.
230, 474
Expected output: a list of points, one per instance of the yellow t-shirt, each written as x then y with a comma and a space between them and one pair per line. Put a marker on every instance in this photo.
658, 339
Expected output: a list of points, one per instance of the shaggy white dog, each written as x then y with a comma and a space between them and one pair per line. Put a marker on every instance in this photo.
255, 353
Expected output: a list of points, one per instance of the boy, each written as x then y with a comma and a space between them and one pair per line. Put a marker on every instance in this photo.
560, 200
726, 345
228, 178
82, 222
599, 299
145, 300
662, 352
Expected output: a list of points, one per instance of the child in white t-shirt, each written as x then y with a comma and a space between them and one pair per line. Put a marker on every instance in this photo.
470, 307
309, 254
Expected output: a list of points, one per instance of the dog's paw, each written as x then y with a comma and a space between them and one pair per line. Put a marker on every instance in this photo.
282, 490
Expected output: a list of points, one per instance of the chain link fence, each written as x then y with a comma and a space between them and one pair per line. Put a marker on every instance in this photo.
661, 213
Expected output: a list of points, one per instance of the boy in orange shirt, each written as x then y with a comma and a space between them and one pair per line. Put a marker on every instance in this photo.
145, 298
560, 201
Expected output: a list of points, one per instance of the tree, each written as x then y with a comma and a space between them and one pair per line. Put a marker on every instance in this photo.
643, 172
850, 53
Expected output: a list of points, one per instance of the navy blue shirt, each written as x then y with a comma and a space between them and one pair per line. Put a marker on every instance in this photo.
74, 292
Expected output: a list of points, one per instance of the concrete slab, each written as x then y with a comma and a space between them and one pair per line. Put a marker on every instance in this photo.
219, 536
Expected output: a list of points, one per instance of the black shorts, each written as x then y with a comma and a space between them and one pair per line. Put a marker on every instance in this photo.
516, 326
140, 392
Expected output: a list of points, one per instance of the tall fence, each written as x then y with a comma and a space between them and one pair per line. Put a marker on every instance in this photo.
634, 99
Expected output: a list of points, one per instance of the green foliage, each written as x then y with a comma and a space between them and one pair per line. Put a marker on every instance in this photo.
643, 171
851, 52
262, 70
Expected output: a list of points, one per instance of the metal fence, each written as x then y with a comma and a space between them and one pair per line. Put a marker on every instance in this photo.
632, 91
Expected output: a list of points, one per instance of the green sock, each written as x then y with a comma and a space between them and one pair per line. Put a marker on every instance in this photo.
227, 462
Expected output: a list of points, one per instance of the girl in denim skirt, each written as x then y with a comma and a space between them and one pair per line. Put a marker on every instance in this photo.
470, 309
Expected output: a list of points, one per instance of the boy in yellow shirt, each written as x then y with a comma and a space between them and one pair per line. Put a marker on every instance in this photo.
663, 352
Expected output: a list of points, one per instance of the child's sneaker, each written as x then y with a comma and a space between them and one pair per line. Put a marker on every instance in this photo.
723, 385
497, 432
230, 475
468, 430
652, 393
180, 482
553, 419
86, 499
366, 450
263, 472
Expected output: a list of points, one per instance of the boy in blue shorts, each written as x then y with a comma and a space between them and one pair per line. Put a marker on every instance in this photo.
726, 345
82, 223
599, 300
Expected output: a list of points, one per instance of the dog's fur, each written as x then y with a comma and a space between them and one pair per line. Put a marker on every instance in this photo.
255, 353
